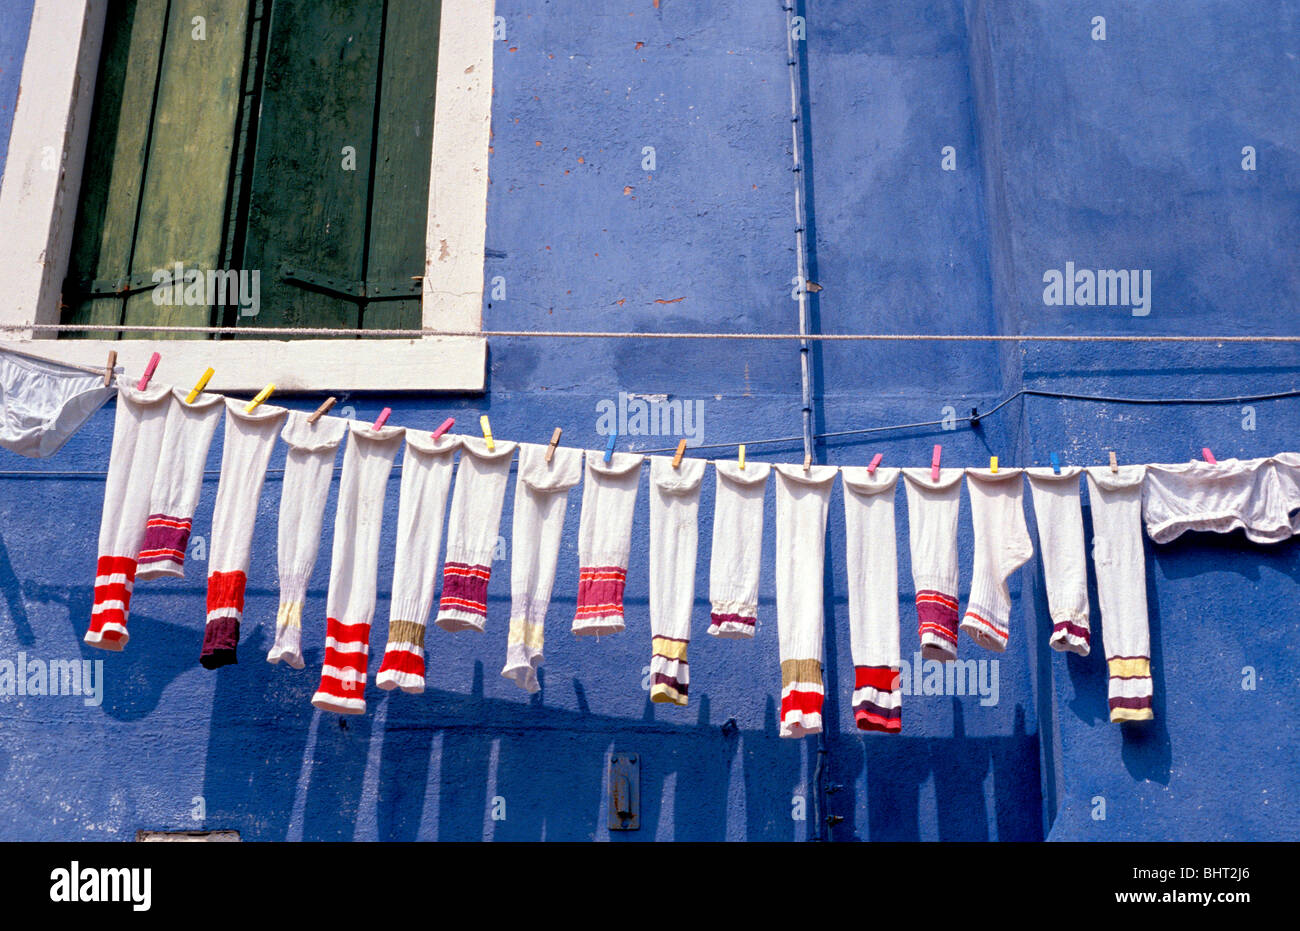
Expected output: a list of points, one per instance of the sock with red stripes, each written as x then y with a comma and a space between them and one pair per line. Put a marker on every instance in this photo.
138, 427
426, 477
674, 540
737, 548
472, 528
1060, 541
541, 500
308, 473
871, 558
1002, 546
350, 603
802, 500
177, 483
1117, 555
932, 538
604, 540
249, 439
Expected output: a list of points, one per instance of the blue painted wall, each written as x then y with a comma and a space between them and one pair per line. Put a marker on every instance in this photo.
1122, 153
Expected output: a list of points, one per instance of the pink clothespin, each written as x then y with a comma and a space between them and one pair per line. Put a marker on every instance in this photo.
446, 425
1208, 456
875, 461
148, 372
934, 463
382, 418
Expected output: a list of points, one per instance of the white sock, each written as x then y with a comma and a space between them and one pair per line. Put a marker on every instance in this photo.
674, 540
932, 536
472, 529
177, 484
249, 439
802, 500
604, 540
871, 559
1002, 546
427, 466
541, 500
737, 548
1117, 555
138, 426
350, 603
1060, 541
308, 473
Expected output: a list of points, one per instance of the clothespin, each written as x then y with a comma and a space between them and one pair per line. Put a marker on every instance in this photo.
199, 386
934, 463
444, 427
1114, 466
875, 461
555, 441
1208, 456
609, 447
1056, 464
741, 457
382, 418
487, 433
108, 370
993, 464
681, 451
807, 461
148, 372
322, 410
261, 396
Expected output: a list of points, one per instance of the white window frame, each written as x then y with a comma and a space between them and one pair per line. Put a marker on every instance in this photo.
38, 211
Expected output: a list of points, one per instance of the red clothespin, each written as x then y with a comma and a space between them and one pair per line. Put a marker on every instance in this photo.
875, 461
1208, 456
446, 425
148, 372
934, 463
382, 418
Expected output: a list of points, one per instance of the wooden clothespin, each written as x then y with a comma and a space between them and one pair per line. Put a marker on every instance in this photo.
807, 462
487, 433
609, 447
322, 410
875, 461
993, 464
934, 463
382, 418
108, 369
261, 396
740, 457
444, 427
1208, 456
1056, 464
199, 386
1114, 466
148, 372
555, 441
681, 451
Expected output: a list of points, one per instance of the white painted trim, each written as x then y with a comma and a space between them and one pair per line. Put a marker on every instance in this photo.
56, 92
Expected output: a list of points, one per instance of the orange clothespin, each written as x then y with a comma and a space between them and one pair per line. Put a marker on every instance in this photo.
487, 433
108, 369
199, 386
555, 441
148, 372
261, 396
322, 410
681, 451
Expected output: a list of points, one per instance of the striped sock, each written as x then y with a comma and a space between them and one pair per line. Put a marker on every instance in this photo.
932, 534
114, 580
1002, 546
605, 540
737, 548
1060, 541
1130, 688
674, 541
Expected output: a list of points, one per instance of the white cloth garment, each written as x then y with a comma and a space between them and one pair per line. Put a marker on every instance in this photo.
308, 473
138, 426
932, 509
674, 542
187, 437
249, 439
43, 403
427, 467
541, 502
737, 548
871, 558
1257, 495
1116, 500
802, 501
1002, 546
472, 528
604, 540
1064, 556
354, 563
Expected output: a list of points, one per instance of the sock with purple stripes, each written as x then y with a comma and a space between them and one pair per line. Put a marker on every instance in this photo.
1060, 543
674, 541
932, 536
737, 548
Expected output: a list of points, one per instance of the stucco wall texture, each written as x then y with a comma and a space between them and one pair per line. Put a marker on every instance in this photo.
1124, 152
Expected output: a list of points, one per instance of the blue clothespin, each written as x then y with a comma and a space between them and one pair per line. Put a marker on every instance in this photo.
1056, 463
609, 447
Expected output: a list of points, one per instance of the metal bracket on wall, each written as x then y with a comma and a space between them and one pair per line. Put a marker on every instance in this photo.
397, 290
624, 792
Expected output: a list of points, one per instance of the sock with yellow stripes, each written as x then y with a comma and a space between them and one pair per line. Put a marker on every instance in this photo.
674, 540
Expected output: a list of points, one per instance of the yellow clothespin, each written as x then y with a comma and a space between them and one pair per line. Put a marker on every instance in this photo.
487, 433
199, 386
993, 464
108, 370
681, 451
555, 441
1114, 466
261, 396
741, 457
322, 410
